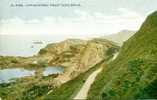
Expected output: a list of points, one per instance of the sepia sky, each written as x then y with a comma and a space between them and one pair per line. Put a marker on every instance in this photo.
92, 18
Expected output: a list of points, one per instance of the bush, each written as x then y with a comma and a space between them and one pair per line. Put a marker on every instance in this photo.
111, 51
43, 63
42, 51
34, 92
134, 66
104, 96
14, 61
149, 92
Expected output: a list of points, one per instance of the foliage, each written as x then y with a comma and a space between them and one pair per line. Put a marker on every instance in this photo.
65, 92
43, 63
149, 92
14, 61
35, 92
43, 51
111, 50
132, 75
135, 68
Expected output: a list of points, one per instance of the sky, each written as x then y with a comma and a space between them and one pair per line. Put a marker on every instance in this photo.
92, 18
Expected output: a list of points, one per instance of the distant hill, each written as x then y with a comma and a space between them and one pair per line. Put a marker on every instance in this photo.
133, 74
120, 37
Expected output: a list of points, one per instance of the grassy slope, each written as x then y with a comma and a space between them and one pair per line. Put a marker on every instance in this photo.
134, 73
68, 90
32, 88
28, 88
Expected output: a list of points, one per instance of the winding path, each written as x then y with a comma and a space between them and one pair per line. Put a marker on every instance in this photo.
82, 94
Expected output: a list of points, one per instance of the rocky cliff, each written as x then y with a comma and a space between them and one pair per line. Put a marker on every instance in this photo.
75, 55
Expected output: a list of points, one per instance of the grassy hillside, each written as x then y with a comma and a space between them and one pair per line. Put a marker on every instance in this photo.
133, 75
68, 90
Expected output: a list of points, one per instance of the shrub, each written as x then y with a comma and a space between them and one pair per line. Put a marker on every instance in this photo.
111, 51
42, 51
134, 66
43, 63
14, 61
149, 92
104, 96
34, 92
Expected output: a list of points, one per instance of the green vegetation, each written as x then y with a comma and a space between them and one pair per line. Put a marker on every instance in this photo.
37, 88
73, 54
29, 88
35, 92
5, 61
43, 51
42, 63
133, 74
148, 92
111, 51
68, 90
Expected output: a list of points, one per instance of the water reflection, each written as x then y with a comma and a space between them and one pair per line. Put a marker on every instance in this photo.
6, 75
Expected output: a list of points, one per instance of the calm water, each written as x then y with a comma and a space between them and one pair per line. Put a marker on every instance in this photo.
8, 75
19, 45
24, 45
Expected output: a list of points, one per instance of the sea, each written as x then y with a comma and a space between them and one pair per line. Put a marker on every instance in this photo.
20, 45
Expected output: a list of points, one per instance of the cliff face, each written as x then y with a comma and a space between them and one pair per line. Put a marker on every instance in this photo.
75, 55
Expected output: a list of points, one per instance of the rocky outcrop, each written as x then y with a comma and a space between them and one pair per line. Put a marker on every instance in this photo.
75, 55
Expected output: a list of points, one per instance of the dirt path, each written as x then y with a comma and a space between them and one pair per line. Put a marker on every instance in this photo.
85, 88
115, 56
82, 94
